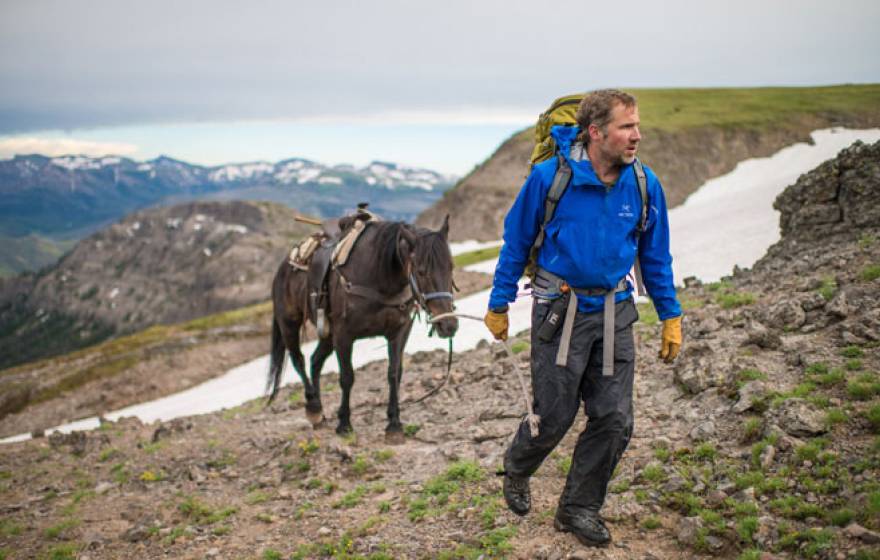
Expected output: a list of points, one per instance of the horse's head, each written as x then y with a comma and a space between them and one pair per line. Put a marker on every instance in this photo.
432, 274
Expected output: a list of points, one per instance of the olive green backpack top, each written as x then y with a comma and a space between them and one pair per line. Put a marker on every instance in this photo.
562, 112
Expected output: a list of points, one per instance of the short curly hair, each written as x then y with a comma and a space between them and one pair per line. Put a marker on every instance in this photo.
596, 107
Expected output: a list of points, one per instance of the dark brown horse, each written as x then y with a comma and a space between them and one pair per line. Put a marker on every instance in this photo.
393, 268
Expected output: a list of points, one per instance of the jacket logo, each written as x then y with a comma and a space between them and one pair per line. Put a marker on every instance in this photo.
625, 211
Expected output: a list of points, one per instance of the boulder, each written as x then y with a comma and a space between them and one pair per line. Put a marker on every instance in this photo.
799, 418
761, 336
688, 529
785, 314
749, 394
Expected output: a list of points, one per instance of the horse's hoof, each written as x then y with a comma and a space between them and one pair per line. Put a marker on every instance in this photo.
395, 438
315, 418
344, 430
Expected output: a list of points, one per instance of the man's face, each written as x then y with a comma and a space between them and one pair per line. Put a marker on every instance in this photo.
620, 141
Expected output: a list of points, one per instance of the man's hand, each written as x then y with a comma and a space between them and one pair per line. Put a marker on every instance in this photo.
497, 323
671, 339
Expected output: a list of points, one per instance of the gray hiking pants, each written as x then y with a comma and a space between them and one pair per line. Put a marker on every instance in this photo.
558, 393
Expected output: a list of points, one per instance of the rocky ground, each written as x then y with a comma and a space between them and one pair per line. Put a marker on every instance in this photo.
759, 442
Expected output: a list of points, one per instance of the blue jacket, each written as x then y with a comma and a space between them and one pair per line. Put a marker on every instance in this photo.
591, 240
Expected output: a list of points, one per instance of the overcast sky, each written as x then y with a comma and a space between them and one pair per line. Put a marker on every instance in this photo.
77, 70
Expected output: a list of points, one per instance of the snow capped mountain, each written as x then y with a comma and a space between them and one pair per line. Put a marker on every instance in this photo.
74, 194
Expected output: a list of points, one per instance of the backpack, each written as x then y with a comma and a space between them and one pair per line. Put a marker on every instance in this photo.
562, 112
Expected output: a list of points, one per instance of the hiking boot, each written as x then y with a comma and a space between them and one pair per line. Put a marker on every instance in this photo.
517, 494
587, 526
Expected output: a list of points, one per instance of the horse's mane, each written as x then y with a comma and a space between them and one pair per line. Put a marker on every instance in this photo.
387, 240
431, 249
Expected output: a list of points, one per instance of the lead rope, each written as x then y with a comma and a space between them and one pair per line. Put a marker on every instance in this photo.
533, 419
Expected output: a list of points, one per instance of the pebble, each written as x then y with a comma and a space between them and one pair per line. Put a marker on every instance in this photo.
324, 531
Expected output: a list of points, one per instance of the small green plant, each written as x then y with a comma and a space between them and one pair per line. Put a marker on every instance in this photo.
873, 416
863, 387
384, 506
65, 551
309, 446
653, 473
271, 554
58, 530
827, 288
705, 452
256, 497
662, 454
732, 299
835, 416
352, 498
746, 528
870, 273
519, 346
152, 476
746, 375
107, 454
833, 377
563, 464
411, 430
842, 517
752, 428
651, 522
383, 455
360, 465
853, 365
852, 351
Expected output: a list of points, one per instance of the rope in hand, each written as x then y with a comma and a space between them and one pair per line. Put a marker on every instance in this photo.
533, 419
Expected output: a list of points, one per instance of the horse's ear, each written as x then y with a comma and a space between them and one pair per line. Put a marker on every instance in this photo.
445, 229
406, 243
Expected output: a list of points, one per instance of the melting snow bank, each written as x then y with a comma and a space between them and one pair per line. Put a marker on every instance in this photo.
729, 221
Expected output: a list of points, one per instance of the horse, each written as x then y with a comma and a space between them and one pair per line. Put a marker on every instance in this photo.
393, 269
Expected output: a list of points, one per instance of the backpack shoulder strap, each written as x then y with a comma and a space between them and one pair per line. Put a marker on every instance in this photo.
642, 181
557, 189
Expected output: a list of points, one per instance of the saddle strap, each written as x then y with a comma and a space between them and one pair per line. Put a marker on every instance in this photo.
400, 299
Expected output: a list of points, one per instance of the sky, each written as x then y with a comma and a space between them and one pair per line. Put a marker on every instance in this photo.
432, 84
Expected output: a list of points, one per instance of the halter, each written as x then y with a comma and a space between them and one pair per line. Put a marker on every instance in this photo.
423, 299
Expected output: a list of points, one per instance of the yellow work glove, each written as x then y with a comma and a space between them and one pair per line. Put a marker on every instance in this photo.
670, 339
497, 323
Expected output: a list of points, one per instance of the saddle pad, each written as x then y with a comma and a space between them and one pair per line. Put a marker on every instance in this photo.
301, 255
343, 249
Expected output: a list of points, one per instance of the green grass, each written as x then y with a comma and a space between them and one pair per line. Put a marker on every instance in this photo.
651, 522
873, 416
410, 430
750, 108
828, 287
870, 273
473, 257
653, 473
351, 499
200, 513
852, 351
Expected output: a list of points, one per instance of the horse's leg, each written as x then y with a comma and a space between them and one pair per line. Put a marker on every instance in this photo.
289, 328
394, 429
346, 380
314, 408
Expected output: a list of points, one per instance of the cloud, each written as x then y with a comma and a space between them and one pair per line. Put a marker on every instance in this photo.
52, 147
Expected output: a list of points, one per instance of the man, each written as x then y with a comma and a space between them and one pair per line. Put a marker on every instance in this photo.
588, 248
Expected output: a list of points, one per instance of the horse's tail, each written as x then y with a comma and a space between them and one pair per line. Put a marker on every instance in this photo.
276, 360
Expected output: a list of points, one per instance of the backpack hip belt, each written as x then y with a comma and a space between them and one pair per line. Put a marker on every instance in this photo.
555, 285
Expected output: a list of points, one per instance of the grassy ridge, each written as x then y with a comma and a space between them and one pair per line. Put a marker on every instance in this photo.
20, 254
760, 108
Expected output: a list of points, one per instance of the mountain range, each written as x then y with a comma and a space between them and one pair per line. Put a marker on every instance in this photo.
50, 202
